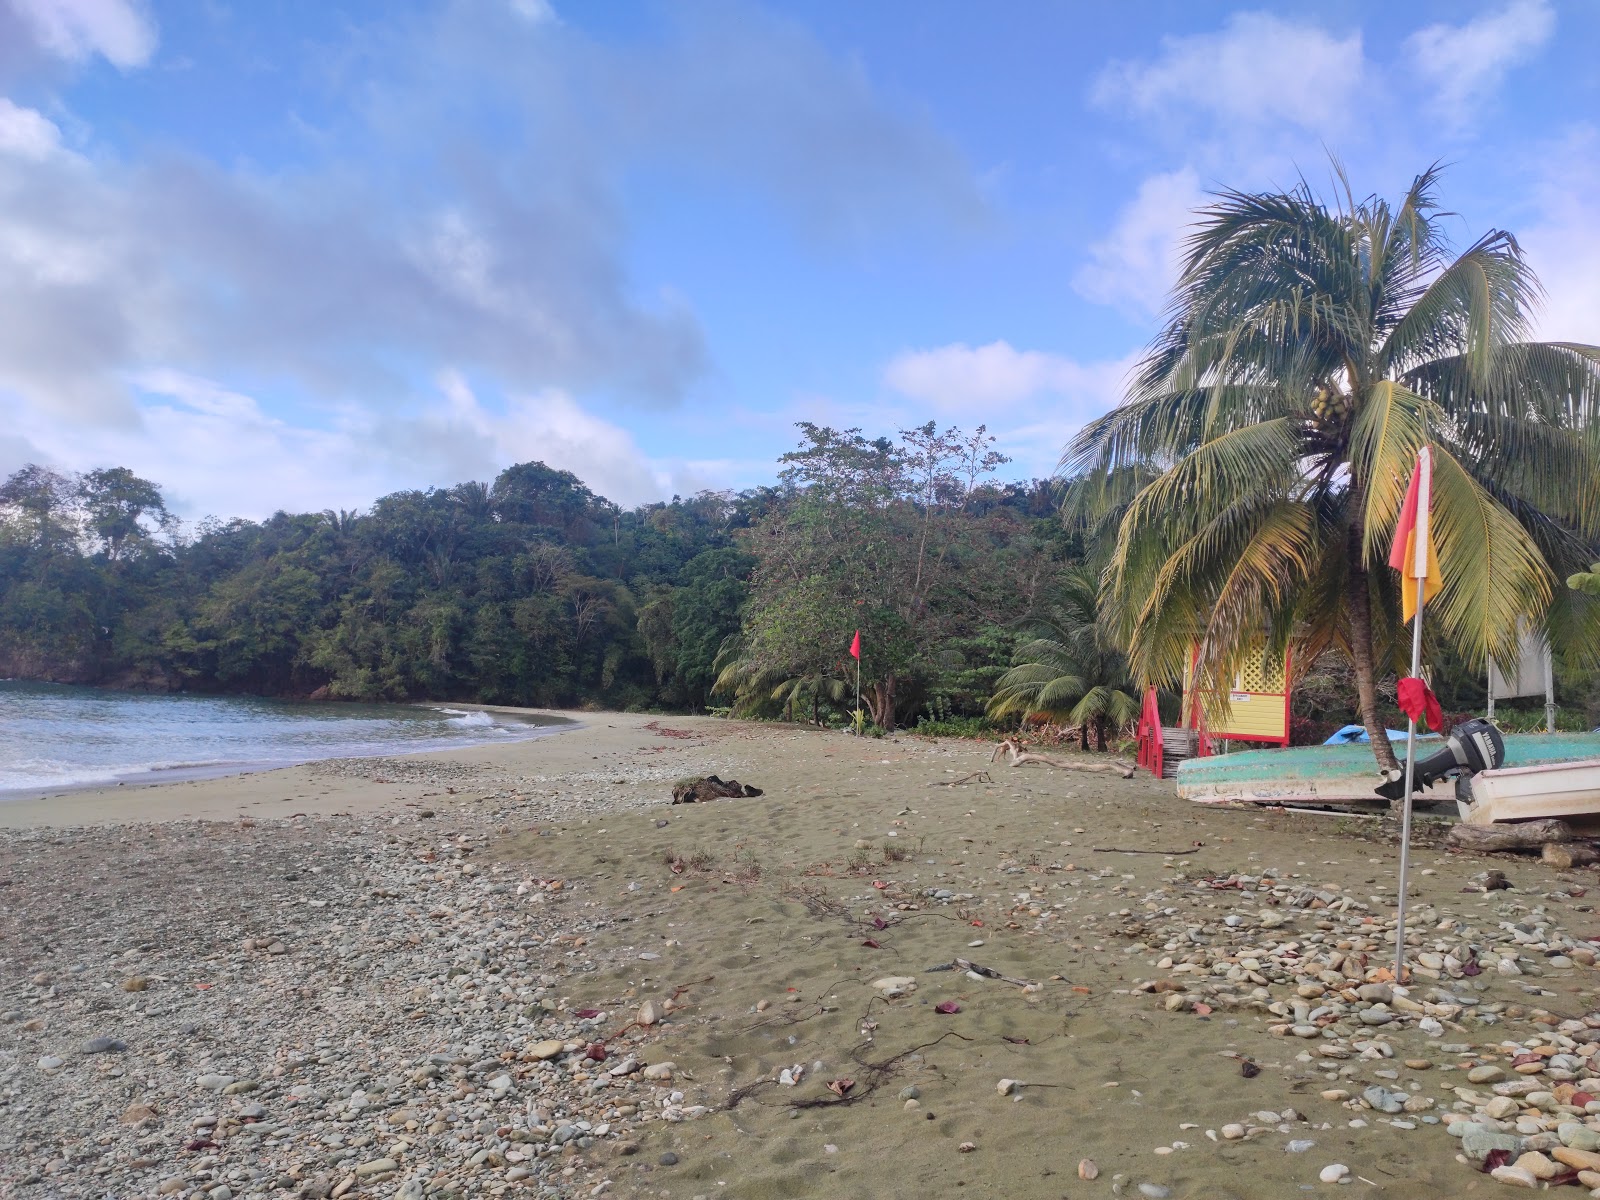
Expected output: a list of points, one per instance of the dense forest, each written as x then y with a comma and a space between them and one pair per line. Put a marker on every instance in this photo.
527, 590
976, 600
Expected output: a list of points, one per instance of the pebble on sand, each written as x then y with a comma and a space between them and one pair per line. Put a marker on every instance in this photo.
1333, 1173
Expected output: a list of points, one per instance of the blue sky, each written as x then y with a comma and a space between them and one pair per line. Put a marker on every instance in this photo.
280, 254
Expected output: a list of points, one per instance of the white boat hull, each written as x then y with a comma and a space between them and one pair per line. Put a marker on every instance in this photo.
1569, 791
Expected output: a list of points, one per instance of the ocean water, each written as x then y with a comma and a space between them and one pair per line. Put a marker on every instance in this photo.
62, 737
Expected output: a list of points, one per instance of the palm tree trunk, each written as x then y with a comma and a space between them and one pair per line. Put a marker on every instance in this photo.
1100, 734
1361, 656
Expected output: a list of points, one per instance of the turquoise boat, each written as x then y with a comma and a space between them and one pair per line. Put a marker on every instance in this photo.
1348, 774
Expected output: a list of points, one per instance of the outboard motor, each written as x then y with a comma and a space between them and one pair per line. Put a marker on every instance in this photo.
1470, 747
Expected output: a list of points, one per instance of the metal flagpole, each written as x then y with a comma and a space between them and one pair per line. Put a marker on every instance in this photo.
1405, 819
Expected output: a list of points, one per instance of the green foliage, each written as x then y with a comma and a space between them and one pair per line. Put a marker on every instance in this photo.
528, 590
531, 590
899, 539
1261, 455
1587, 582
1069, 671
956, 727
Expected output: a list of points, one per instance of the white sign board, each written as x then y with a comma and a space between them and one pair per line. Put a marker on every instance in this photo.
1524, 678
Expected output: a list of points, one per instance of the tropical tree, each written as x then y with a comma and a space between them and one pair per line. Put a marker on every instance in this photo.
870, 534
1310, 351
1070, 671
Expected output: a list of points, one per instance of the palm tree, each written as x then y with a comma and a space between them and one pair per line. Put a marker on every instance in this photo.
1310, 351
1069, 671
756, 689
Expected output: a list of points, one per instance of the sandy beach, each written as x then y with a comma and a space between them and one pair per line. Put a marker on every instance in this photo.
519, 970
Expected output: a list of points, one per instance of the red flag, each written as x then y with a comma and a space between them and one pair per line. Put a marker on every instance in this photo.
1418, 702
1412, 553
855, 647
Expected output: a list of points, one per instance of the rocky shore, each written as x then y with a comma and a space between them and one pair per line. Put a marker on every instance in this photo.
900, 971
317, 1006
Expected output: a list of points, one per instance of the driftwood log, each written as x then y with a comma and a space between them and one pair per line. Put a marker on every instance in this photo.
1523, 835
1018, 757
1563, 857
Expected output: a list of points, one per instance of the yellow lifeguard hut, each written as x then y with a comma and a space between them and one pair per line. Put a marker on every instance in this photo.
1257, 710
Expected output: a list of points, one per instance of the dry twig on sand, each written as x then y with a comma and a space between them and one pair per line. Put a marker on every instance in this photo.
975, 777
1121, 850
1019, 757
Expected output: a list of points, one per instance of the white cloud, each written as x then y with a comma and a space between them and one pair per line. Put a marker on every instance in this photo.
1464, 63
215, 450
535, 12
76, 30
368, 265
1031, 400
963, 380
1259, 70
1563, 244
1134, 266
27, 133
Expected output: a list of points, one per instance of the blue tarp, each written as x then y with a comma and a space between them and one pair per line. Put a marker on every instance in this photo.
1358, 733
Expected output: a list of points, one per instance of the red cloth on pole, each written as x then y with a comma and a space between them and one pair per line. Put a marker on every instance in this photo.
1417, 701
855, 647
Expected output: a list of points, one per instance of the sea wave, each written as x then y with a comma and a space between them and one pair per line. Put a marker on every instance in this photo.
38, 773
474, 719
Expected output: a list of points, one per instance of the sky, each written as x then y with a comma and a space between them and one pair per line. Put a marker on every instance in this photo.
279, 255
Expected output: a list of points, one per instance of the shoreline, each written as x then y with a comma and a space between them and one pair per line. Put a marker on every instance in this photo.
106, 801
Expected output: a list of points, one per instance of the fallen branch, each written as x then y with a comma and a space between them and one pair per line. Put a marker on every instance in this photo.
1120, 850
1018, 757
975, 777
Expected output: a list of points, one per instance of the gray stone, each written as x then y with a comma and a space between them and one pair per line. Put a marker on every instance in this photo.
1477, 1141
104, 1045
1384, 1100
1578, 1136
669, 1159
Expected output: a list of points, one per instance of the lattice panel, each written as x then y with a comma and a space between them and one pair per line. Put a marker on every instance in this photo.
1261, 675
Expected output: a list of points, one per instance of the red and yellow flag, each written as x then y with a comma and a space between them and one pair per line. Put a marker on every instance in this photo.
1412, 554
